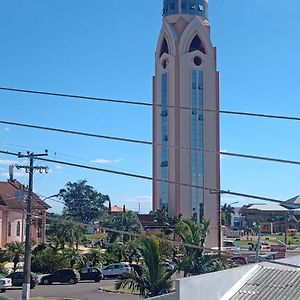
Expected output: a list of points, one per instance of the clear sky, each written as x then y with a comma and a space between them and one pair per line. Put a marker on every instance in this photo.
106, 49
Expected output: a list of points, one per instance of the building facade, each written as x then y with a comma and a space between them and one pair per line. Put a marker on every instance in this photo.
186, 160
13, 214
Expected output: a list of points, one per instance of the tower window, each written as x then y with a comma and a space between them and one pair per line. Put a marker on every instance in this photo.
164, 164
197, 61
196, 44
164, 48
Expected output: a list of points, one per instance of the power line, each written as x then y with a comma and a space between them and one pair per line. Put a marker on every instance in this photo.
141, 103
211, 190
144, 142
225, 254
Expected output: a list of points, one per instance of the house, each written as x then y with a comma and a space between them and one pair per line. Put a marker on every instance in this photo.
13, 213
276, 280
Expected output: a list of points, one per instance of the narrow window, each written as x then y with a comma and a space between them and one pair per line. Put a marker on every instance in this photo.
18, 230
9, 229
164, 48
196, 44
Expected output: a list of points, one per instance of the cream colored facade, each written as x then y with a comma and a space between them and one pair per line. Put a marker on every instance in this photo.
186, 161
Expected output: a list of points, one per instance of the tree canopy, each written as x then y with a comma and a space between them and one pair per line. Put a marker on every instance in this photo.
82, 201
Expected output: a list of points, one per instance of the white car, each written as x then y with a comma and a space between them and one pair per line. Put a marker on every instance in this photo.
115, 270
4, 283
231, 246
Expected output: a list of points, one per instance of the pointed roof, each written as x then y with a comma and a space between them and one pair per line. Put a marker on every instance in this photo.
13, 194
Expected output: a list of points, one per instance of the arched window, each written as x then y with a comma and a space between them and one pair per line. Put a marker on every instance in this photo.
164, 47
18, 230
196, 44
9, 229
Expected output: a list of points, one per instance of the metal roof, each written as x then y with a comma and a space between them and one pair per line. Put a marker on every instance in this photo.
271, 284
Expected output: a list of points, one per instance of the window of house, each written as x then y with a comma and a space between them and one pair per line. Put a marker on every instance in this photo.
18, 229
9, 229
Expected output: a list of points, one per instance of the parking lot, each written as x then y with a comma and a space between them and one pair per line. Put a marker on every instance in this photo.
82, 291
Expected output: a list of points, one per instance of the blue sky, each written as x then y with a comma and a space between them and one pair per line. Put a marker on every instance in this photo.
106, 49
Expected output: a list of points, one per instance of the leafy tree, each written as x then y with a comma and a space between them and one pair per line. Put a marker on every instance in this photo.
95, 257
226, 213
154, 280
82, 201
72, 256
124, 221
195, 261
62, 231
14, 251
47, 261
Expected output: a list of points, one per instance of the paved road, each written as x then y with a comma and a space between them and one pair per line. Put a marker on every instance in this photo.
82, 291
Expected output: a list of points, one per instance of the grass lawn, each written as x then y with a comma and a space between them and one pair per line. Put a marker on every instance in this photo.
272, 240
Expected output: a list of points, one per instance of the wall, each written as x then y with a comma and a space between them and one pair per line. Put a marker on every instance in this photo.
166, 297
15, 217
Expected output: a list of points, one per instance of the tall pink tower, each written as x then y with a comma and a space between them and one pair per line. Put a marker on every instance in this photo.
186, 116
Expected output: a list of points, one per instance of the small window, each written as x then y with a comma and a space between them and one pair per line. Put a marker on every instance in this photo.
164, 113
164, 47
18, 230
196, 44
165, 138
200, 7
164, 164
193, 6
9, 229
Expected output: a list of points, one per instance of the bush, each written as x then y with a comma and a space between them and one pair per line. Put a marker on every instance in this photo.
48, 262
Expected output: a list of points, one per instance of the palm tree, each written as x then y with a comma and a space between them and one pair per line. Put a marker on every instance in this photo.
154, 280
72, 256
195, 261
95, 256
14, 251
226, 213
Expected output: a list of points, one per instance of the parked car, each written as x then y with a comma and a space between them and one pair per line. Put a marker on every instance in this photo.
4, 283
91, 274
116, 270
231, 246
241, 260
70, 276
17, 279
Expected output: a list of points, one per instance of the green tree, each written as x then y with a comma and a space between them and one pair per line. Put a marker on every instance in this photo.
226, 213
72, 256
154, 280
124, 221
14, 251
47, 261
82, 201
195, 260
95, 257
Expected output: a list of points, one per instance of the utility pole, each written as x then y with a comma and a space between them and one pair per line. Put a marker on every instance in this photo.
27, 260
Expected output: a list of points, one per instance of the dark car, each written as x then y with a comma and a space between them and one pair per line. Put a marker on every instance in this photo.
17, 279
91, 274
70, 276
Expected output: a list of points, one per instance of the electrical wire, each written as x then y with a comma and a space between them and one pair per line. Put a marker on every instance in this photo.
144, 142
211, 190
80, 97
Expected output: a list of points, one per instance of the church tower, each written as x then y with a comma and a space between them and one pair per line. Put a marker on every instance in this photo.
186, 140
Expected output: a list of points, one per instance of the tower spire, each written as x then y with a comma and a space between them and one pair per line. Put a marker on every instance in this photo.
190, 7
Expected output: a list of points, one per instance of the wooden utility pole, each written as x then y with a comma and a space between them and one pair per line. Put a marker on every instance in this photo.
27, 260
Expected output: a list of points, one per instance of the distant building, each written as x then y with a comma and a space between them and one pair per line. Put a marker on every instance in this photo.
186, 116
13, 214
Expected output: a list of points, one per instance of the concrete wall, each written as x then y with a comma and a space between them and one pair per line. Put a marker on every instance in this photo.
166, 297
213, 286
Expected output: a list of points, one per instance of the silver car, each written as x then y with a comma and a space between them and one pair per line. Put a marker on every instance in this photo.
116, 270
4, 283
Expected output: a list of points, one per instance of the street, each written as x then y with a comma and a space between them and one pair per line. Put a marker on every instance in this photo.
82, 291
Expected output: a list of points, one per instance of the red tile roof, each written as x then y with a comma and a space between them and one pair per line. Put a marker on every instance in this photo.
12, 194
